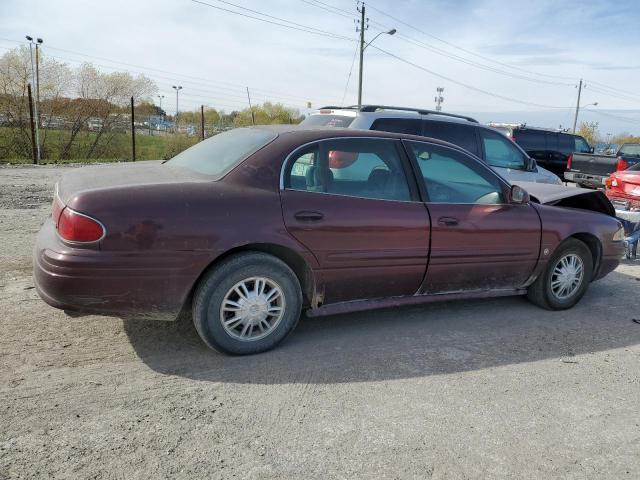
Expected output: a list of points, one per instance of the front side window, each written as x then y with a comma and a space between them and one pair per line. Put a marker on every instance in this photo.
452, 177
366, 168
501, 152
630, 150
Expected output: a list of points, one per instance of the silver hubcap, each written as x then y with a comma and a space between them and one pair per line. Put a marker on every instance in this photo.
567, 276
252, 308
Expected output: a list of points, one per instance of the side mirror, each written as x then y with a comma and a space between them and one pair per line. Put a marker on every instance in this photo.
532, 164
518, 195
592, 149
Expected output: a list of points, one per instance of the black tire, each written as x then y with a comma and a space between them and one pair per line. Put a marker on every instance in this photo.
541, 293
213, 288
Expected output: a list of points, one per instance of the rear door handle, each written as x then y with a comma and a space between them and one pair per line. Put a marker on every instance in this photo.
448, 221
308, 216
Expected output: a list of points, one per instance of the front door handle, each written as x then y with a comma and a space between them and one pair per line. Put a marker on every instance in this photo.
448, 221
308, 216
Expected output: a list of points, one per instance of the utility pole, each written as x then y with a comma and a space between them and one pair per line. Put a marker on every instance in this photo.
34, 79
439, 98
177, 89
253, 117
38, 43
575, 118
133, 131
362, 29
202, 120
33, 134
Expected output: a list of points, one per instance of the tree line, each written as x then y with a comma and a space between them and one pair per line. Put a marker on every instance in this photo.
84, 113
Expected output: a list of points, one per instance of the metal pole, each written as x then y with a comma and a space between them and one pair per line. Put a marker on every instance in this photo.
575, 119
33, 133
33, 75
202, 120
253, 117
133, 131
38, 82
361, 55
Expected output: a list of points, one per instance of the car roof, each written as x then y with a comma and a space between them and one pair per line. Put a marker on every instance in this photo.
301, 134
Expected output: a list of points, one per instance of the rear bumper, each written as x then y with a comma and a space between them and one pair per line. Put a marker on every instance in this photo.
148, 285
595, 181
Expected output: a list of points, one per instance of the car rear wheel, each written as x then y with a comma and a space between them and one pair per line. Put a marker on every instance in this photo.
247, 304
566, 278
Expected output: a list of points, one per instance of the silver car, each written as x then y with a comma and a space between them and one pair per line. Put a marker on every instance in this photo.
488, 144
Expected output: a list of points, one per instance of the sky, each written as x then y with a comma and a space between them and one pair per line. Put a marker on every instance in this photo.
514, 60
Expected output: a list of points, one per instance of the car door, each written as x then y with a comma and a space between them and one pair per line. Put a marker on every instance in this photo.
349, 201
478, 239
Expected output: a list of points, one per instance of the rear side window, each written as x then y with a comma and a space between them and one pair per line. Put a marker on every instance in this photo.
364, 168
327, 120
217, 155
463, 136
398, 125
566, 143
531, 140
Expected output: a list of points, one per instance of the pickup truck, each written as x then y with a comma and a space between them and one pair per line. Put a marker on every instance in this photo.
591, 170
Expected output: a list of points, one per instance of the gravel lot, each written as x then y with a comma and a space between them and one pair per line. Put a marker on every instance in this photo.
477, 389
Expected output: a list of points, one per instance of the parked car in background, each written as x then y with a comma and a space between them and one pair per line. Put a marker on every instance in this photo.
623, 188
490, 146
251, 226
592, 170
550, 148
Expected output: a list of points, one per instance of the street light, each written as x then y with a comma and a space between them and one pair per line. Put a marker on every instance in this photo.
177, 89
35, 79
362, 47
160, 97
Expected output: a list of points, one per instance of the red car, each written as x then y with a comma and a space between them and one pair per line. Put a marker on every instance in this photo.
623, 188
252, 226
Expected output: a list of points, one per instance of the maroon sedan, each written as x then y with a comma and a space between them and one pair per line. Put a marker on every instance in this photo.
252, 226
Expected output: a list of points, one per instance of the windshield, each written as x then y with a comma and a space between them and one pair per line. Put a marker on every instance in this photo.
217, 155
324, 120
631, 150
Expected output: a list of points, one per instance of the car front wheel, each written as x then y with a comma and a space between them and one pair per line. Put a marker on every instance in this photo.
247, 304
566, 278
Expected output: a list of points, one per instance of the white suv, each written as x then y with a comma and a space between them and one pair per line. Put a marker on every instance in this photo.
486, 143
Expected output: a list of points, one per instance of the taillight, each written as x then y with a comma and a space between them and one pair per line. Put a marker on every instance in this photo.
569, 160
77, 227
621, 164
610, 182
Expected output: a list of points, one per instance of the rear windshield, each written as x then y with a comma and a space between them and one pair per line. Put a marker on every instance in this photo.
217, 155
327, 120
630, 150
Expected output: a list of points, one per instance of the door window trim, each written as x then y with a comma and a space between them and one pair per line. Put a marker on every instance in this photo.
405, 161
506, 187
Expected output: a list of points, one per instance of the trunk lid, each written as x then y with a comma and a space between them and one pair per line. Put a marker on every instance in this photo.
139, 175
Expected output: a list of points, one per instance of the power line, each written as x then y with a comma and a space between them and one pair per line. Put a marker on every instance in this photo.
635, 121
470, 52
444, 53
174, 76
353, 61
289, 24
476, 89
